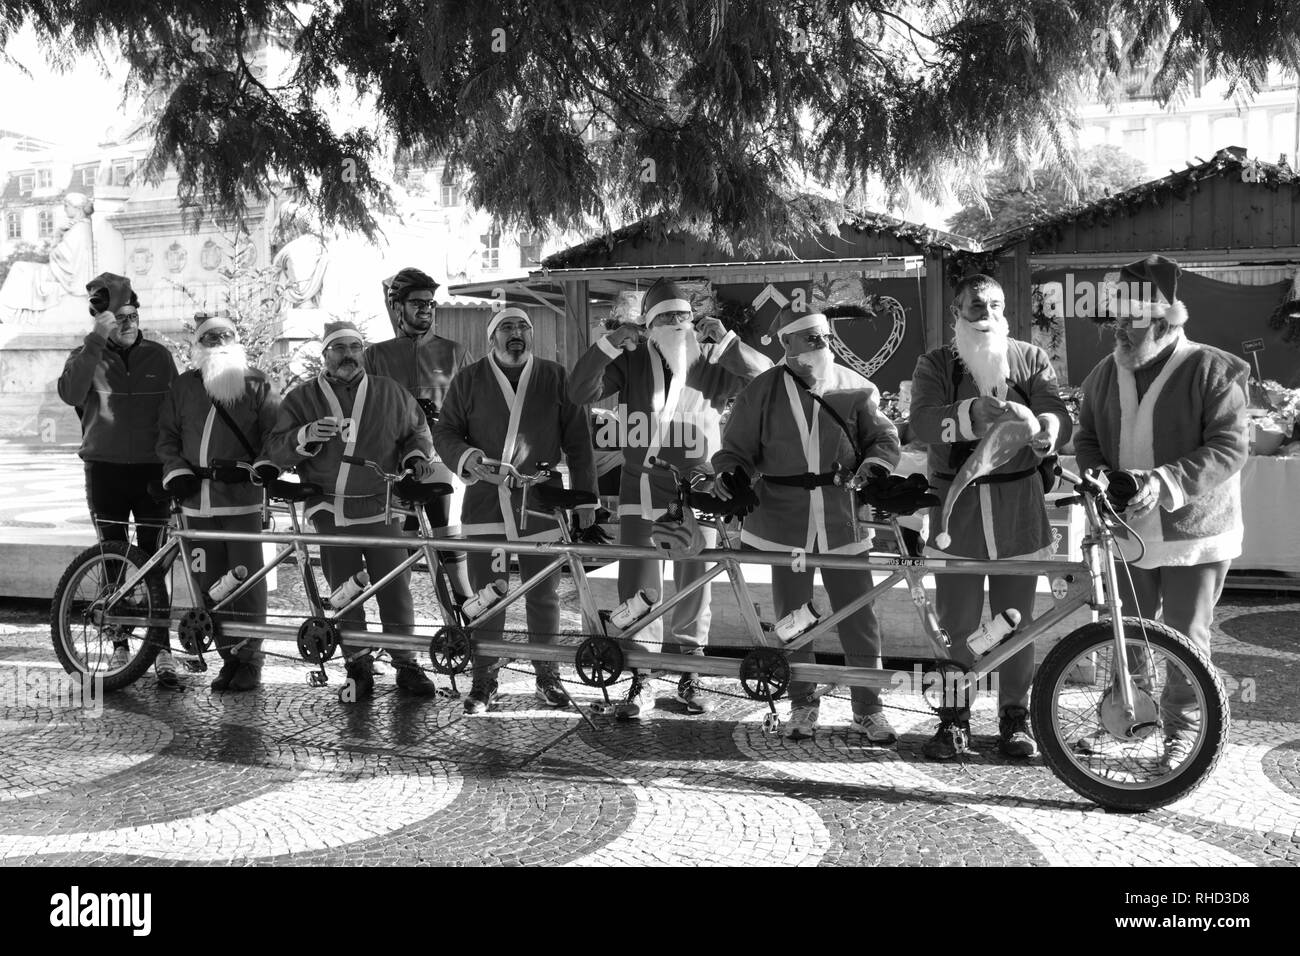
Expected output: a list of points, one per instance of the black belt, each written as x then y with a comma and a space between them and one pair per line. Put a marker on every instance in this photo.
807, 480
991, 479
229, 476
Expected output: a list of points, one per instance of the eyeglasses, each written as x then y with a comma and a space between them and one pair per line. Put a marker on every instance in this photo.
346, 348
421, 305
217, 337
510, 327
125, 317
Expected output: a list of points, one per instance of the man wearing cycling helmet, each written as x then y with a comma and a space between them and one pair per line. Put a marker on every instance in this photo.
424, 363
797, 426
221, 411
345, 411
512, 407
1172, 414
674, 380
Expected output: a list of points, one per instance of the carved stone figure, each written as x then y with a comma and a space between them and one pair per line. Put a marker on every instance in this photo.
34, 288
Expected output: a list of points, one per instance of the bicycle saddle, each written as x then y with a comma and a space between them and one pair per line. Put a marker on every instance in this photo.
742, 504
898, 495
293, 491
554, 498
417, 493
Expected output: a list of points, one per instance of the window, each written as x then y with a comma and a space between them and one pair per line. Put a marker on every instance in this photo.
122, 170
530, 249
491, 251
44, 179
45, 223
450, 194
88, 175
13, 226
26, 183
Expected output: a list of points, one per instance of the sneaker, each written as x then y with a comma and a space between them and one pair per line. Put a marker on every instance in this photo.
549, 691
222, 681
360, 682
120, 657
952, 738
1177, 750
1014, 738
640, 699
164, 668
248, 676
480, 698
690, 692
876, 727
803, 721
413, 680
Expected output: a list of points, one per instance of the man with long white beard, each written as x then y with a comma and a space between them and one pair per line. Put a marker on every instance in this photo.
1170, 412
784, 421
221, 411
672, 394
512, 407
958, 392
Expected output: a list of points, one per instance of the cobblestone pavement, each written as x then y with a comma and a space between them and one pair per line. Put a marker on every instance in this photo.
288, 775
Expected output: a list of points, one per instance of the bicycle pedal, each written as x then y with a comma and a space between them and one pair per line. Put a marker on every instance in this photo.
195, 666
317, 678
603, 708
771, 724
448, 693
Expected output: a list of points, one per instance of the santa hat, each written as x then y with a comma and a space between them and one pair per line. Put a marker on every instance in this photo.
510, 312
109, 292
788, 320
663, 296
205, 322
340, 330
1161, 274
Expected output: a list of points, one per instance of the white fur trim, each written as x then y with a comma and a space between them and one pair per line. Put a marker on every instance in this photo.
172, 474
722, 345
667, 305
1177, 314
1170, 491
513, 312
813, 320
213, 322
464, 476
340, 334
603, 343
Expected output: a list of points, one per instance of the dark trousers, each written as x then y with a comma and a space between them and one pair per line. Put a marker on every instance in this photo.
396, 607
212, 559
1182, 598
542, 605
117, 493
959, 604
438, 510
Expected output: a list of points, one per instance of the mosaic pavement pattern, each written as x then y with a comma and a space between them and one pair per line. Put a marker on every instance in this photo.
287, 775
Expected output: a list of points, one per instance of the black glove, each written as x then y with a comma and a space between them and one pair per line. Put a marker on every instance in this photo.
1121, 488
183, 486
735, 482
231, 476
899, 495
265, 474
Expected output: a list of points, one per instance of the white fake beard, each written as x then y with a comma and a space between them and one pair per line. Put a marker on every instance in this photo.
1142, 354
679, 347
984, 354
815, 365
223, 369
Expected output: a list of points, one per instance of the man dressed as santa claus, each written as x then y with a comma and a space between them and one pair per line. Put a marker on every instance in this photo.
673, 382
959, 391
1171, 413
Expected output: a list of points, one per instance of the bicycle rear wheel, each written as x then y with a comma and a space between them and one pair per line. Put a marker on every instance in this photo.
1177, 694
86, 647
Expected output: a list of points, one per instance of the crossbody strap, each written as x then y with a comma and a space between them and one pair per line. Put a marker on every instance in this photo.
817, 399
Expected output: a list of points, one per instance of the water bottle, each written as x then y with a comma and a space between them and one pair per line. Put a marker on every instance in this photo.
349, 589
796, 622
228, 582
635, 607
485, 598
993, 632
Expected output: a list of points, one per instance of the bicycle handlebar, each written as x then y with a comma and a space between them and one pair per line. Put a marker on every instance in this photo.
389, 477
509, 471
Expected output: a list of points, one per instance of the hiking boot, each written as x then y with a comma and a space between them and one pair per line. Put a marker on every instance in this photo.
549, 691
360, 682
803, 721
120, 657
690, 692
876, 728
164, 668
640, 699
247, 676
952, 738
1014, 738
412, 679
228, 667
1177, 750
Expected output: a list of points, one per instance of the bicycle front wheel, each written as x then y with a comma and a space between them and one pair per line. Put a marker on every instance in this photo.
83, 641
1180, 713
